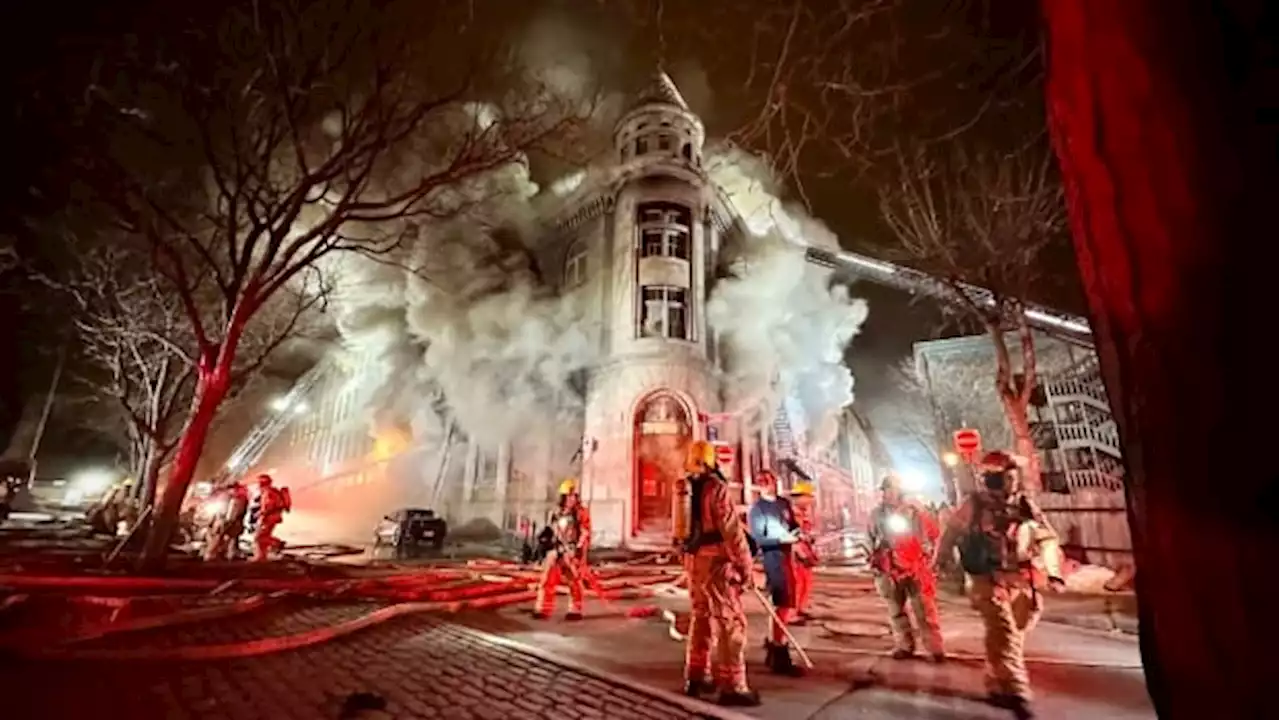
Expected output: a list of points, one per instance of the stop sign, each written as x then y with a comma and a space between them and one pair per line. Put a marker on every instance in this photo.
966, 441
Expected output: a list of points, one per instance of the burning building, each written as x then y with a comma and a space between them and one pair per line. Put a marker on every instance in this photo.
642, 256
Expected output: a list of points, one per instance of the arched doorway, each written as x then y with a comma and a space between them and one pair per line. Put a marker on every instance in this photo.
662, 434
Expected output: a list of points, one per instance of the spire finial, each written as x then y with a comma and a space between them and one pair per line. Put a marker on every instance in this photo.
662, 36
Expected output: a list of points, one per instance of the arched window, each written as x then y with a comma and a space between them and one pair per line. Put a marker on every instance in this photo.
686, 151
575, 265
664, 230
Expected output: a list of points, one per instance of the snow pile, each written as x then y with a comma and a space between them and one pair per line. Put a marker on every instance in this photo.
1089, 579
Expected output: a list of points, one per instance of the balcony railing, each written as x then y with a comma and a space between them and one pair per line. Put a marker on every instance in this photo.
1082, 434
1077, 389
1093, 479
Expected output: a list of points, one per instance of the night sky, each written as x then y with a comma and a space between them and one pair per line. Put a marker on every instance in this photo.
49, 46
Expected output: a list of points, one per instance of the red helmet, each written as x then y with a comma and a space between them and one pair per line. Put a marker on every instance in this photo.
998, 459
264, 479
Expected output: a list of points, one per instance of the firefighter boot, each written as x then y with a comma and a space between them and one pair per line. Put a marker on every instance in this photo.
1020, 707
698, 688
778, 660
573, 616
739, 698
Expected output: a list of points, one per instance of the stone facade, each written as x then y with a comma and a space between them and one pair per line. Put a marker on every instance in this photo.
637, 244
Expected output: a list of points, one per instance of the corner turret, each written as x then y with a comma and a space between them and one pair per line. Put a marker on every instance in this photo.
658, 123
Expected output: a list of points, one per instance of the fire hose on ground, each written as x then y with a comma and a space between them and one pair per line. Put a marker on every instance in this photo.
269, 645
448, 591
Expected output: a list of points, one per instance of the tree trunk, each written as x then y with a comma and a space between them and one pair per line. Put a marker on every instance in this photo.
1157, 113
151, 478
211, 389
1023, 442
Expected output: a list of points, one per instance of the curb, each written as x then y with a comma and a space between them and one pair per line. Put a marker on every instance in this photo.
965, 657
696, 707
1108, 623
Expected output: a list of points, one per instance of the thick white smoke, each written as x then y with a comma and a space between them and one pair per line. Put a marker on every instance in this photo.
467, 323
783, 325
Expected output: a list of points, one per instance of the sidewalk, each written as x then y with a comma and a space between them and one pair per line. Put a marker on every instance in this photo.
1112, 612
1080, 673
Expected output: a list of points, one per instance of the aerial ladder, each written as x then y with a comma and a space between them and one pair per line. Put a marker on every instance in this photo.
1064, 326
264, 433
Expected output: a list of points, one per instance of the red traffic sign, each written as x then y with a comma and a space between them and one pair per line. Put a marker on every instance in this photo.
724, 454
966, 441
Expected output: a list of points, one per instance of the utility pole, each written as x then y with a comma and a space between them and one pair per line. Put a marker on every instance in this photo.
48, 407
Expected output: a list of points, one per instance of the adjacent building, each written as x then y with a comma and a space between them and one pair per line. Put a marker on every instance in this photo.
639, 244
1082, 468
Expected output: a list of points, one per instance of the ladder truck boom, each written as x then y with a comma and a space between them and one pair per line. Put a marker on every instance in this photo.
1071, 328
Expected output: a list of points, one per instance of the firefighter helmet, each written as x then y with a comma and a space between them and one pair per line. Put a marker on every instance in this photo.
1000, 472
264, 480
803, 487
999, 460
568, 486
701, 454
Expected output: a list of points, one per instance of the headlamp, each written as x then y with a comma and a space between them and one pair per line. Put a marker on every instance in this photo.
897, 524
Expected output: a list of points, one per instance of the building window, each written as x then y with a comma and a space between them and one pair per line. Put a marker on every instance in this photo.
575, 265
642, 146
664, 143
664, 230
687, 151
664, 313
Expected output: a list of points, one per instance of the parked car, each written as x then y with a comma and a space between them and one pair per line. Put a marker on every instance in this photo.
410, 527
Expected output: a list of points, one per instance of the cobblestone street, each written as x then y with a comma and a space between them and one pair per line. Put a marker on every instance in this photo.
422, 667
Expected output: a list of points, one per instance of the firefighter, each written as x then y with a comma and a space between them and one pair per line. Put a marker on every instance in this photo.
1010, 553
105, 515
568, 537
273, 503
773, 527
718, 565
805, 551
222, 541
902, 534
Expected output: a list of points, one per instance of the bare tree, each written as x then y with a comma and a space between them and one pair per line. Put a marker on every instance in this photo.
8, 255
959, 394
988, 219
281, 135
951, 396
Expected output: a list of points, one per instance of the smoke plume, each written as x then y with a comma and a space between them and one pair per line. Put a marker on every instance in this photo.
783, 325
471, 325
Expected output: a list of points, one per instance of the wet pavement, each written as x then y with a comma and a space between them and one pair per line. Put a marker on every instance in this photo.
504, 664
414, 667
1077, 673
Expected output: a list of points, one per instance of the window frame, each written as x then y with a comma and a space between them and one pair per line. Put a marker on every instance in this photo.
575, 267
675, 224
669, 304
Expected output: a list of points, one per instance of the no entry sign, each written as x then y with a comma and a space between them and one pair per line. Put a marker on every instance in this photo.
724, 454
967, 441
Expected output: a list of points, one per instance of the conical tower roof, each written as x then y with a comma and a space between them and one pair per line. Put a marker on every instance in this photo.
659, 90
